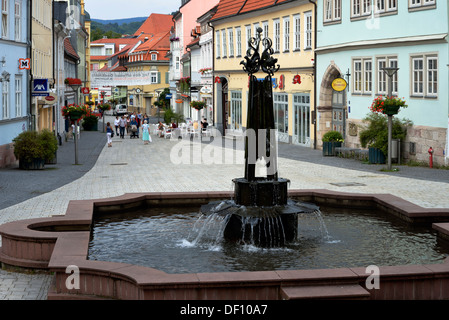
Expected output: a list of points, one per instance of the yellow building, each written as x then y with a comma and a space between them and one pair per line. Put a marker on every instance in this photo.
42, 60
289, 24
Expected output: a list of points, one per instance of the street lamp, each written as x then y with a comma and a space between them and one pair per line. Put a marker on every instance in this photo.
390, 71
75, 88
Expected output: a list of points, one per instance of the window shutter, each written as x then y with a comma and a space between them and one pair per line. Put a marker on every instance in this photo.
167, 75
158, 77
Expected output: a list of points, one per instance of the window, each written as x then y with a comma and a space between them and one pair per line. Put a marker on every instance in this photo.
224, 43
286, 22
231, 42
18, 96
308, 23
425, 76
297, 32
432, 76
421, 4
154, 77
108, 51
248, 36
385, 6
277, 35
265, 29
217, 44
17, 19
363, 76
4, 18
153, 56
177, 63
238, 33
360, 8
332, 10
382, 77
236, 110
5, 99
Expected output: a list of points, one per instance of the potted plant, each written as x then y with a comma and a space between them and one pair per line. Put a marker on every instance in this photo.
104, 107
331, 140
198, 105
72, 81
33, 149
184, 84
387, 105
73, 112
90, 121
375, 135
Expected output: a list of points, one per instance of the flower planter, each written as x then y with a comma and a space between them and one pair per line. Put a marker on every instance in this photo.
75, 115
34, 164
376, 156
329, 148
391, 110
90, 127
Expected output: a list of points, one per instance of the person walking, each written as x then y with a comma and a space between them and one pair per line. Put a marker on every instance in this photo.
109, 133
117, 124
146, 132
122, 125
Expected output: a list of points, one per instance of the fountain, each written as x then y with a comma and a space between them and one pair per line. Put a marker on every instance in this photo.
261, 211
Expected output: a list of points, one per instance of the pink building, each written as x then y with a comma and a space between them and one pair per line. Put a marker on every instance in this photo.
191, 10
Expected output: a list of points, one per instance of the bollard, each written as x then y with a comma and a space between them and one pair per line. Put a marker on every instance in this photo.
430, 157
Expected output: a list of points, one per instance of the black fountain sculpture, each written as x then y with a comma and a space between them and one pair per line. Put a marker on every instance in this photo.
261, 211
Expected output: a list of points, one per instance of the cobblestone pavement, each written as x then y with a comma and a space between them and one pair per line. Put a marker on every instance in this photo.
172, 165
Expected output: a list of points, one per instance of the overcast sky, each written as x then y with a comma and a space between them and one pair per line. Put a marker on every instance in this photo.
119, 9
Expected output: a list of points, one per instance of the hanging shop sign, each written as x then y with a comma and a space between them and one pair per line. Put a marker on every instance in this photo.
297, 79
24, 64
339, 84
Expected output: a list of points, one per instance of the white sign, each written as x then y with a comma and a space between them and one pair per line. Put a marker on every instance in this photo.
100, 79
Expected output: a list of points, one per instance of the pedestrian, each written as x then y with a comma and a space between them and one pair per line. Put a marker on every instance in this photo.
109, 133
146, 132
122, 125
117, 124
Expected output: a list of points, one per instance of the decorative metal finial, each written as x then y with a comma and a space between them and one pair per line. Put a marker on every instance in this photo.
254, 61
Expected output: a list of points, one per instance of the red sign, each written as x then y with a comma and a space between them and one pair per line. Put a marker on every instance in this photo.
25, 64
85, 90
297, 79
50, 98
217, 80
281, 82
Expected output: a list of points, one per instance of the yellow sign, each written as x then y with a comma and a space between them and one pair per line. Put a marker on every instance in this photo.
339, 84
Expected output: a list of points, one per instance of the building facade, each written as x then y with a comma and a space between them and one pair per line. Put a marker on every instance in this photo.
14, 74
357, 39
289, 24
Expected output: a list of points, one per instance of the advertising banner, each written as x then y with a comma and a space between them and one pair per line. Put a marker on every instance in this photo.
113, 79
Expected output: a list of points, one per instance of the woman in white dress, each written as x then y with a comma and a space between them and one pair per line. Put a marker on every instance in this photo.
146, 132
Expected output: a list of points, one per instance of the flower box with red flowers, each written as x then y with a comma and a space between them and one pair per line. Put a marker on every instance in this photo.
387, 105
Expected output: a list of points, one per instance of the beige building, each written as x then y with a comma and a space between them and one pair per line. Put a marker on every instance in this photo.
290, 27
42, 60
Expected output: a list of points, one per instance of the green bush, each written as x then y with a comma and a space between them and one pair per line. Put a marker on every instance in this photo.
375, 135
333, 136
30, 145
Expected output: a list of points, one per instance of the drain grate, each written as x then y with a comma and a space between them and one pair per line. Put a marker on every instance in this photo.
348, 184
119, 164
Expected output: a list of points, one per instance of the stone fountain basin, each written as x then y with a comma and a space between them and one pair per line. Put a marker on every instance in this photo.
57, 242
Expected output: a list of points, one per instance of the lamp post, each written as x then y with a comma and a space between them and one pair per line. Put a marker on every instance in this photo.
75, 88
390, 71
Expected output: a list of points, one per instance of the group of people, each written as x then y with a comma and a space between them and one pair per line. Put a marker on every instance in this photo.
174, 126
131, 124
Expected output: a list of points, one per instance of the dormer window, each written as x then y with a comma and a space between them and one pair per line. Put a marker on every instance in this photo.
153, 56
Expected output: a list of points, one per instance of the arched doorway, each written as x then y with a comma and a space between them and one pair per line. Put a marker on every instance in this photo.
332, 106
